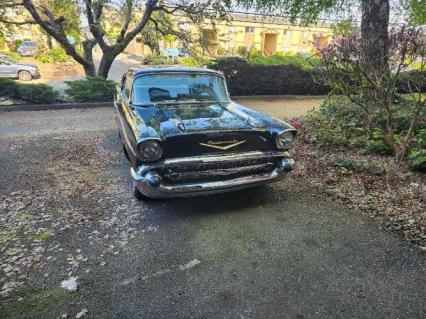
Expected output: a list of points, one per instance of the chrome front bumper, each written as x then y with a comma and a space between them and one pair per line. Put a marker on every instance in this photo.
151, 184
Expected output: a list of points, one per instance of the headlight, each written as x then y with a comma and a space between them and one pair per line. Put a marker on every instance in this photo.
284, 140
150, 150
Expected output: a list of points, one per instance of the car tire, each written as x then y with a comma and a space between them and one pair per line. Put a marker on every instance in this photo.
137, 194
25, 76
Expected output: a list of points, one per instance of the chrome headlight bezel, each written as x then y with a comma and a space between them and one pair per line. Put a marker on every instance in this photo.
150, 150
284, 140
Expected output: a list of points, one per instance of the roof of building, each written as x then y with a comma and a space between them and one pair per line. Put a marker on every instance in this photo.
263, 18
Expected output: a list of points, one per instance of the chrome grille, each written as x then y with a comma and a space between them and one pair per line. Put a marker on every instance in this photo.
216, 171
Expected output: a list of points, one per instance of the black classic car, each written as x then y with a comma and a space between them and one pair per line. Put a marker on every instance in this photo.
184, 136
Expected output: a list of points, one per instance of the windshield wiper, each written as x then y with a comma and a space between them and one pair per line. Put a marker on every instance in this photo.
193, 101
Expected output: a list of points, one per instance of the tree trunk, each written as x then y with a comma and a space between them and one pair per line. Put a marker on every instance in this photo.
106, 62
89, 70
89, 66
375, 37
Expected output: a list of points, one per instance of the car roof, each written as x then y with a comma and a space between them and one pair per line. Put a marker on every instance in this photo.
170, 69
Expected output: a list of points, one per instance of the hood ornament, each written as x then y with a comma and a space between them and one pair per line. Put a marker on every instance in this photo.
223, 145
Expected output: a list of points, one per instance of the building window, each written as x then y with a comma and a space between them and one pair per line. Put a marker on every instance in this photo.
249, 29
287, 34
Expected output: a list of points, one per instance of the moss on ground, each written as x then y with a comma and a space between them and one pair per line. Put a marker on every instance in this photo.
35, 302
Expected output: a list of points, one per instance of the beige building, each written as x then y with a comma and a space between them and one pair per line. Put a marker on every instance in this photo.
245, 31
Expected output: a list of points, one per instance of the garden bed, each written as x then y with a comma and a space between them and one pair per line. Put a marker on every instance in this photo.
372, 184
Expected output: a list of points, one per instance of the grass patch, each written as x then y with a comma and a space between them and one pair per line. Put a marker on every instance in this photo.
36, 303
44, 235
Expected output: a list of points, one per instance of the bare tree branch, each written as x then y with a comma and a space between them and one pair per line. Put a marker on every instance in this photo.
93, 14
56, 33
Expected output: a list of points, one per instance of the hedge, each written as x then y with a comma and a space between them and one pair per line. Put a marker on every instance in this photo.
91, 89
411, 79
31, 93
244, 78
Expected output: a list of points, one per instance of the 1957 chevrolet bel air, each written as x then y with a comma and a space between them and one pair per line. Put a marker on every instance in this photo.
184, 136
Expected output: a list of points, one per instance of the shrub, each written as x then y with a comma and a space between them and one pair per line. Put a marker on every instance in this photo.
194, 61
243, 50
406, 79
56, 54
59, 55
37, 93
244, 78
417, 155
323, 132
2, 42
8, 88
340, 122
32, 93
377, 144
221, 51
91, 90
156, 59
43, 57
417, 159
16, 45
351, 72
280, 58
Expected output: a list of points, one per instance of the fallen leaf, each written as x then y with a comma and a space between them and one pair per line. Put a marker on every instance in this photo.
70, 284
189, 265
81, 314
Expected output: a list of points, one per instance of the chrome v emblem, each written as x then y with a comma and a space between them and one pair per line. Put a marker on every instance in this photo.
223, 148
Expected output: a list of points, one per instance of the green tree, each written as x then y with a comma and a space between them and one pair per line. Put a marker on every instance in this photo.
159, 28
417, 12
71, 13
344, 28
127, 17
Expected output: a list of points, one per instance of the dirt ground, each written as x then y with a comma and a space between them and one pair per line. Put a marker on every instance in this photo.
282, 107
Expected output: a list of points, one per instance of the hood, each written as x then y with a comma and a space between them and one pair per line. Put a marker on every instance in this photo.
166, 121
27, 65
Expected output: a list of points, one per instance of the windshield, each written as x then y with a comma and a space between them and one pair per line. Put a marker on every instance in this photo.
7, 59
28, 44
179, 87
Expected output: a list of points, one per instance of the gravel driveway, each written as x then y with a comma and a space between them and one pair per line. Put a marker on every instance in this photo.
66, 211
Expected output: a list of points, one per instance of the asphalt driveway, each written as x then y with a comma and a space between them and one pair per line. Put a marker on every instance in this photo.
279, 251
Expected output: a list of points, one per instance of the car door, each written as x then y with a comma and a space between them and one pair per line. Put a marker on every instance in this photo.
6, 69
